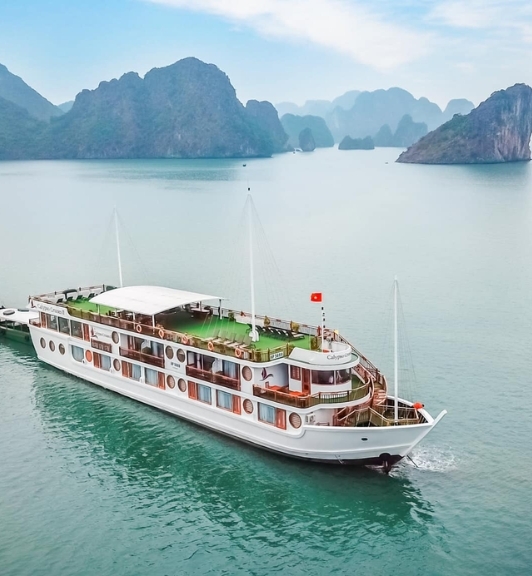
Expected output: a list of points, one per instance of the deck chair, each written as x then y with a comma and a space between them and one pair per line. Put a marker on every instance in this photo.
222, 335
215, 337
237, 343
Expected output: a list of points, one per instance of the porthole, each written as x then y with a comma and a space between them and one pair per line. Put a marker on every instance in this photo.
61, 349
116, 364
169, 352
52, 345
247, 373
295, 420
170, 381
364, 439
43, 343
88, 355
181, 355
248, 406
182, 385
115, 337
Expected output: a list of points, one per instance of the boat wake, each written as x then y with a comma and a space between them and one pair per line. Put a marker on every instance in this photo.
432, 459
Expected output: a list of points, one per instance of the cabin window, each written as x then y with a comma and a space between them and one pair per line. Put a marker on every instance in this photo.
271, 415
295, 372
77, 353
343, 376
133, 371
224, 400
204, 394
64, 325
102, 361
52, 322
230, 369
151, 376
77, 329
323, 377
228, 401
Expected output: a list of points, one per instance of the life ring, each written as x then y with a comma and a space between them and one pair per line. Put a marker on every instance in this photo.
184, 340
210, 346
138, 328
88, 355
161, 332
238, 352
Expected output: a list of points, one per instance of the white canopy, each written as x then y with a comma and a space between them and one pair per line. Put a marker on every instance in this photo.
149, 300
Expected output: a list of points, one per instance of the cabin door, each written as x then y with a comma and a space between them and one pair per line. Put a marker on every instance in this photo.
305, 381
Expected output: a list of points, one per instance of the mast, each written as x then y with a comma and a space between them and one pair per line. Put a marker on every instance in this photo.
254, 334
118, 249
395, 355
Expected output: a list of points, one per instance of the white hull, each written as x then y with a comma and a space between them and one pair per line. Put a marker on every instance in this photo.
330, 444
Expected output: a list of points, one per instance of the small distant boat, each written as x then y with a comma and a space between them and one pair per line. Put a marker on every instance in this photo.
14, 323
298, 150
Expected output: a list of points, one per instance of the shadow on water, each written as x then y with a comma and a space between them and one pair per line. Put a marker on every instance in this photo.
170, 458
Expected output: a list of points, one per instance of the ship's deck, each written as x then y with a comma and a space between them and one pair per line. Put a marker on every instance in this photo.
212, 327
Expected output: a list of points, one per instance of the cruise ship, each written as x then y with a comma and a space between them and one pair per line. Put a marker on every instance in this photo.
295, 389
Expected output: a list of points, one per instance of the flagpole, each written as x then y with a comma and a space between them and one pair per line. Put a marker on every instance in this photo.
322, 327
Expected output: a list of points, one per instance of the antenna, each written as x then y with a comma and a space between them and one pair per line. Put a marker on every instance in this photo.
395, 355
118, 249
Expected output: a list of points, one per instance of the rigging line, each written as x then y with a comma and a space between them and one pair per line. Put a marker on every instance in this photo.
105, 244
407, 347
273, 262
123, 226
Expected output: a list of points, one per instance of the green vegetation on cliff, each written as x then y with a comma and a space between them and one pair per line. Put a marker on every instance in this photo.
14, 89
186, 110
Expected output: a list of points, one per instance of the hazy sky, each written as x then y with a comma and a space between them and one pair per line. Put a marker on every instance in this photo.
275, 49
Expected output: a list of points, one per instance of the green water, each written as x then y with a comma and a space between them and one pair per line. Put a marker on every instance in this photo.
93, 483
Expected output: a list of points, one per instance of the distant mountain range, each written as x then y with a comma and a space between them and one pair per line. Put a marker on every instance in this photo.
186, 110
360, 114
190, 110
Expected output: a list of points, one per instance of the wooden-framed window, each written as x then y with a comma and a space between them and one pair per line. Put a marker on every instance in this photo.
295, 372
227, 401
204, 394
271, 415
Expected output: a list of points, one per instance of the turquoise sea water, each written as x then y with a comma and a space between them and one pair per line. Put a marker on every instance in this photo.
93, 483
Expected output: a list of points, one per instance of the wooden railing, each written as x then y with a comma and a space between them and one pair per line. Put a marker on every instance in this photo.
142, 357
407, 416
368, 370
240, 352
298, 401
208, 376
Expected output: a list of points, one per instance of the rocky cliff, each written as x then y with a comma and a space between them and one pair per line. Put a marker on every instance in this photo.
293, 125
349, 143
266, 119
306, 140
20, 133
498, 130
186, 110
14, 89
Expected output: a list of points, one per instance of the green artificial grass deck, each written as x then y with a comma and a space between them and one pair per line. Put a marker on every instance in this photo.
231, 330
84, 304
210, 327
